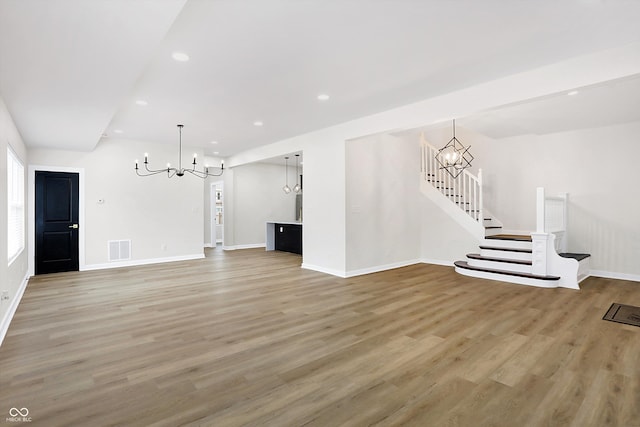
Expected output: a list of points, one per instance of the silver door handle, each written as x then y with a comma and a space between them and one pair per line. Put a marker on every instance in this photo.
73, 226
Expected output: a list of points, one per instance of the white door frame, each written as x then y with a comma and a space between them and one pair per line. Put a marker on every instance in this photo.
212, 200
31, 216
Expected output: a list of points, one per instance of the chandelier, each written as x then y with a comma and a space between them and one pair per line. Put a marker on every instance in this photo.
454, 157
179, 171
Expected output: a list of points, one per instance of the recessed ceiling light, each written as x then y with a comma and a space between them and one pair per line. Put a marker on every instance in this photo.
258, 123
180, 56
323, 97
142, 102
117, 131
573, 92
213, 142
216, 152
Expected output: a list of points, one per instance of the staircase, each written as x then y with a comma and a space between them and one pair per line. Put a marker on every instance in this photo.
536, 259
461, 197
507, 258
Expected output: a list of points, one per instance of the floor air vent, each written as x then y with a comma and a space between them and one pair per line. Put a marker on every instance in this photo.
119, 250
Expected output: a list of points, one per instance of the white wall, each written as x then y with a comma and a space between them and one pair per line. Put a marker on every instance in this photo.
253, 195
323, 234
442, 239
13, 276
382, 193
162, 217
597, 167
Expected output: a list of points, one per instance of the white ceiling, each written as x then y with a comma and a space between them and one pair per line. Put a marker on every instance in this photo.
610, 103
71, 70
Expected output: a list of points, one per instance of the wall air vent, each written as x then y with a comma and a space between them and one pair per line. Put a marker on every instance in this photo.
119, 250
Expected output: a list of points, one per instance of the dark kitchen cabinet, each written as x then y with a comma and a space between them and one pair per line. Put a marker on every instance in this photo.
288, 238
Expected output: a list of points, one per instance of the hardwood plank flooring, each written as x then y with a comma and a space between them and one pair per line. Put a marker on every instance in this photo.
249, 338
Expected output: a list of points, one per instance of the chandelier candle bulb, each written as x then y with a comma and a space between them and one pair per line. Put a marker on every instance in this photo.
179, 171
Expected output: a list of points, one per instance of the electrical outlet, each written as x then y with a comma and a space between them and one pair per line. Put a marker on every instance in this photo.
5, 296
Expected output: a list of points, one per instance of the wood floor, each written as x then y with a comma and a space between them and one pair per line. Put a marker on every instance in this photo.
249, 338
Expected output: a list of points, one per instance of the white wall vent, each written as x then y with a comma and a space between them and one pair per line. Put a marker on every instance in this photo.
119, 250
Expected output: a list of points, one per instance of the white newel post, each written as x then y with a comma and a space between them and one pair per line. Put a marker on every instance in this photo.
540, 210
481, 206
539, 239
565, 235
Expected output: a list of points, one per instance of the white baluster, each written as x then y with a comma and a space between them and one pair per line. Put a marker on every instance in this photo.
480, 205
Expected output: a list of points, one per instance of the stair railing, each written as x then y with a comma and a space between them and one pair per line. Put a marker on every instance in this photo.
465, 190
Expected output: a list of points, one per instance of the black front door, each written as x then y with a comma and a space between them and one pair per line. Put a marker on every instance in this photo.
56, 208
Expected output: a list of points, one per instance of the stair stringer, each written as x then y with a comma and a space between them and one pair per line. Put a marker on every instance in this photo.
508, 279
461, 217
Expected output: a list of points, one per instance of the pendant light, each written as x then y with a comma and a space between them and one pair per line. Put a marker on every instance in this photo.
286, 188
297, 187
454, 157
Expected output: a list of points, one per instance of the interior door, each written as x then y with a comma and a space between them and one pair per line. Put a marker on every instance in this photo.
56, 225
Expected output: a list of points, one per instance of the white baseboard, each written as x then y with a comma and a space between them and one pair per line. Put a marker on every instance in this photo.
8, 316
361, 271
614, 275
250, 246
208, 245
135, 262
378, 268
320, 269
436, 262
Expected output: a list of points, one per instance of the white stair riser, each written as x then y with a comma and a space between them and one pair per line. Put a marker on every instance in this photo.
495, 265
522, 256
509, 279
511, 244
492, 231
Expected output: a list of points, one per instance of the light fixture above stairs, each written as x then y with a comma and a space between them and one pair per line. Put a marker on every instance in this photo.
454, 157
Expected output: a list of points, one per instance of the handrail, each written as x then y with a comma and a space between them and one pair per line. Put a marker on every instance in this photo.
465, 190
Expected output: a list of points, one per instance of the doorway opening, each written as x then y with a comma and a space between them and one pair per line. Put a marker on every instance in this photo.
216, 219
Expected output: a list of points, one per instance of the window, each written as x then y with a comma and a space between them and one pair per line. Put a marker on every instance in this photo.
15, 199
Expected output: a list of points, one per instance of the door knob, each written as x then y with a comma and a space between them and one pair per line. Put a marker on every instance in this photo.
73, 226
